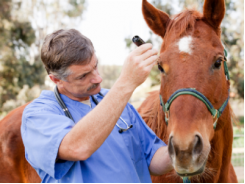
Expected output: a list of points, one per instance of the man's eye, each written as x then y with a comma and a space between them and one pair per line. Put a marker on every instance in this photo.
83, 76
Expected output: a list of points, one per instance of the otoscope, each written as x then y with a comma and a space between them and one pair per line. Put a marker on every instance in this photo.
138, 41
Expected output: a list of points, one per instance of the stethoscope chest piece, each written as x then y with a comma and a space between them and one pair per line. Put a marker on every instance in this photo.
121, 130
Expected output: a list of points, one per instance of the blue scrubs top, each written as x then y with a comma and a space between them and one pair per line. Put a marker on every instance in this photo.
121, 158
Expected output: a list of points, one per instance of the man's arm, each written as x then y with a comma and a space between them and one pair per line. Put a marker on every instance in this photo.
92, 130
161, 163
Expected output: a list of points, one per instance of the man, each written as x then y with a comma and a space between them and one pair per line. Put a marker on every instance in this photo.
91, 149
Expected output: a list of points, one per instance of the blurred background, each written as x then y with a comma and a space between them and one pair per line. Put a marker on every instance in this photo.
110, 24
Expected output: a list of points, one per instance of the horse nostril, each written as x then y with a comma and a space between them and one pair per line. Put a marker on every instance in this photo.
198, 145
170, 146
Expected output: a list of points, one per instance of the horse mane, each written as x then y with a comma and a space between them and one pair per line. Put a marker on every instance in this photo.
151, 111
234, 118
183, 22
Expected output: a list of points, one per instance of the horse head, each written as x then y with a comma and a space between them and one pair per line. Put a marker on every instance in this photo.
193, 81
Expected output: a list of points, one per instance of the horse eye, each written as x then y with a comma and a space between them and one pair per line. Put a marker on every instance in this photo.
160, 68
217, 63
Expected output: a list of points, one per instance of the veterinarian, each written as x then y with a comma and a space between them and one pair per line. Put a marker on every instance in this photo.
108, 141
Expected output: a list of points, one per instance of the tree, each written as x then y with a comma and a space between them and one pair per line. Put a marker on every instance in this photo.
15, 39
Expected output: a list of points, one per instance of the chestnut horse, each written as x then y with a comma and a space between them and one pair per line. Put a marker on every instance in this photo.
191, 55
194, 82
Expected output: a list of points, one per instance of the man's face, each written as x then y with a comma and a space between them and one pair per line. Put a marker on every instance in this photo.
83, 81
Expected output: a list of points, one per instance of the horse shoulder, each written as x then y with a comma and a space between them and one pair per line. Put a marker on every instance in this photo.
14, 167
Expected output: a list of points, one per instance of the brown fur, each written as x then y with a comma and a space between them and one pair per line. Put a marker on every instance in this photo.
182, 70
13, 166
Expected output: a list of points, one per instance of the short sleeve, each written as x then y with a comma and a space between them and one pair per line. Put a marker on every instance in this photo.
42, 132
150, 142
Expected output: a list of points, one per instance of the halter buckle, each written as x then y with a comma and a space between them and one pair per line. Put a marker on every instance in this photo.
215, 118
166, 117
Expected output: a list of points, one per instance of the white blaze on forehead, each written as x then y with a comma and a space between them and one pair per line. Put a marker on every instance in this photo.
185, 44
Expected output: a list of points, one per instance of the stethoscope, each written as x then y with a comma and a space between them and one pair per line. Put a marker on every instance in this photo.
68, 114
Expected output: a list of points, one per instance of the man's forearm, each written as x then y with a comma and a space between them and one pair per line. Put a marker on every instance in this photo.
161, 163
92, 130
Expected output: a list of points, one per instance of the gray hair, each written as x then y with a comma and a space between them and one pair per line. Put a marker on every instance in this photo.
64, 48
62, 73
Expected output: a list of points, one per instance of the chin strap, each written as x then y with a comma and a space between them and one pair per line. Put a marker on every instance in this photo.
186, 180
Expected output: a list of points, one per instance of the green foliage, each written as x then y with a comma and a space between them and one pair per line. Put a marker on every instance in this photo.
16, 38
232, 37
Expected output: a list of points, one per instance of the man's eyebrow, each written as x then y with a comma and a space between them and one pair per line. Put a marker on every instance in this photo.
88, 71
79, 76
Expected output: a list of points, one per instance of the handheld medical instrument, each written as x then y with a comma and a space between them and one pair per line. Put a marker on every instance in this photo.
138, 41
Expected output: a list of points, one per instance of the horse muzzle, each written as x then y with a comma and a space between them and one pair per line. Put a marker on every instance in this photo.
199, 171
189, 156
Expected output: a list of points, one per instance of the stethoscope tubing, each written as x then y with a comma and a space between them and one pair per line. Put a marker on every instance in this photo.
68, 114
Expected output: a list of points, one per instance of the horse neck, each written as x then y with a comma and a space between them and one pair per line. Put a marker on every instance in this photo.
224, 129
221, 146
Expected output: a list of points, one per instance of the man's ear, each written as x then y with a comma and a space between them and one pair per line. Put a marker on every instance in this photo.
214, 12
156, 19
54, 79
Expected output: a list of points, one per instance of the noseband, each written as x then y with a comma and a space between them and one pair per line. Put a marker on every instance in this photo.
216, 113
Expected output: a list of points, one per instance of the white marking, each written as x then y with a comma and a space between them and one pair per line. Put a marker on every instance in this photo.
185, 44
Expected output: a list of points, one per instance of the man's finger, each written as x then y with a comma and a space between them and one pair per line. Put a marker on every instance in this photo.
142, 49
151, 60
148, 54
150, 66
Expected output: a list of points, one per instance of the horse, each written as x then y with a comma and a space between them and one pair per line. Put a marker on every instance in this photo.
14, 168
191, 112
191, 57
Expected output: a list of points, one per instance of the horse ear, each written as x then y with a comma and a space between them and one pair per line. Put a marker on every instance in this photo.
155, 19
214, 12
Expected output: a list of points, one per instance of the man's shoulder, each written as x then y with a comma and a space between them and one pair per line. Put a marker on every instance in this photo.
46, 101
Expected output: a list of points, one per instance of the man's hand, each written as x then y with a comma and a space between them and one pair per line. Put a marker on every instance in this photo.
138, 65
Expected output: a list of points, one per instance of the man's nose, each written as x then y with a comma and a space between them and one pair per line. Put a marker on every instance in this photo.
96, 77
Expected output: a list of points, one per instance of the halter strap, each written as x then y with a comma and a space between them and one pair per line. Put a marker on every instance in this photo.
216, 113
